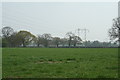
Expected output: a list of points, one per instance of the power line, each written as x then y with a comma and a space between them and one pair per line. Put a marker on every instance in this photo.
26, 17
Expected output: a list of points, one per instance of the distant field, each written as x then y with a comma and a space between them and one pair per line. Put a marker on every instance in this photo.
60, 63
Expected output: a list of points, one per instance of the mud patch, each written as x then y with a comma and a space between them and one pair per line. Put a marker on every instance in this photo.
50, 62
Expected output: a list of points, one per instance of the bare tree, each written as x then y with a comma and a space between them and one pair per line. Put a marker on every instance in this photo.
70, 36
7, 32
45, 39
75, 40
114, 32
63, 41
39, 40
56, 41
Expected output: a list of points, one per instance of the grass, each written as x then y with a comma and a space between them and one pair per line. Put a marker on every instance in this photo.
0, 63
60, 63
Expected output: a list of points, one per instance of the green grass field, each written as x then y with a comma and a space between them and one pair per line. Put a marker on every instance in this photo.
60, 63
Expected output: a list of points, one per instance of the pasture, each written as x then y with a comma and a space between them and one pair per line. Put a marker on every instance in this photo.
60, 63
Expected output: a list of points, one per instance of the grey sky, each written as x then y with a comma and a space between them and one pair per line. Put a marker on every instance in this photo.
119, 8
58, 18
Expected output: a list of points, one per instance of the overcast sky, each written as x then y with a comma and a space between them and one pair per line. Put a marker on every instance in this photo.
58, 18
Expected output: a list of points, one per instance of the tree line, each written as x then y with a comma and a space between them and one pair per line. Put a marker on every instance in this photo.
22, 38
11, 38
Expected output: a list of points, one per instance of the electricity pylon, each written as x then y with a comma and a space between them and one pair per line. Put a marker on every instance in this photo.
83, 30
